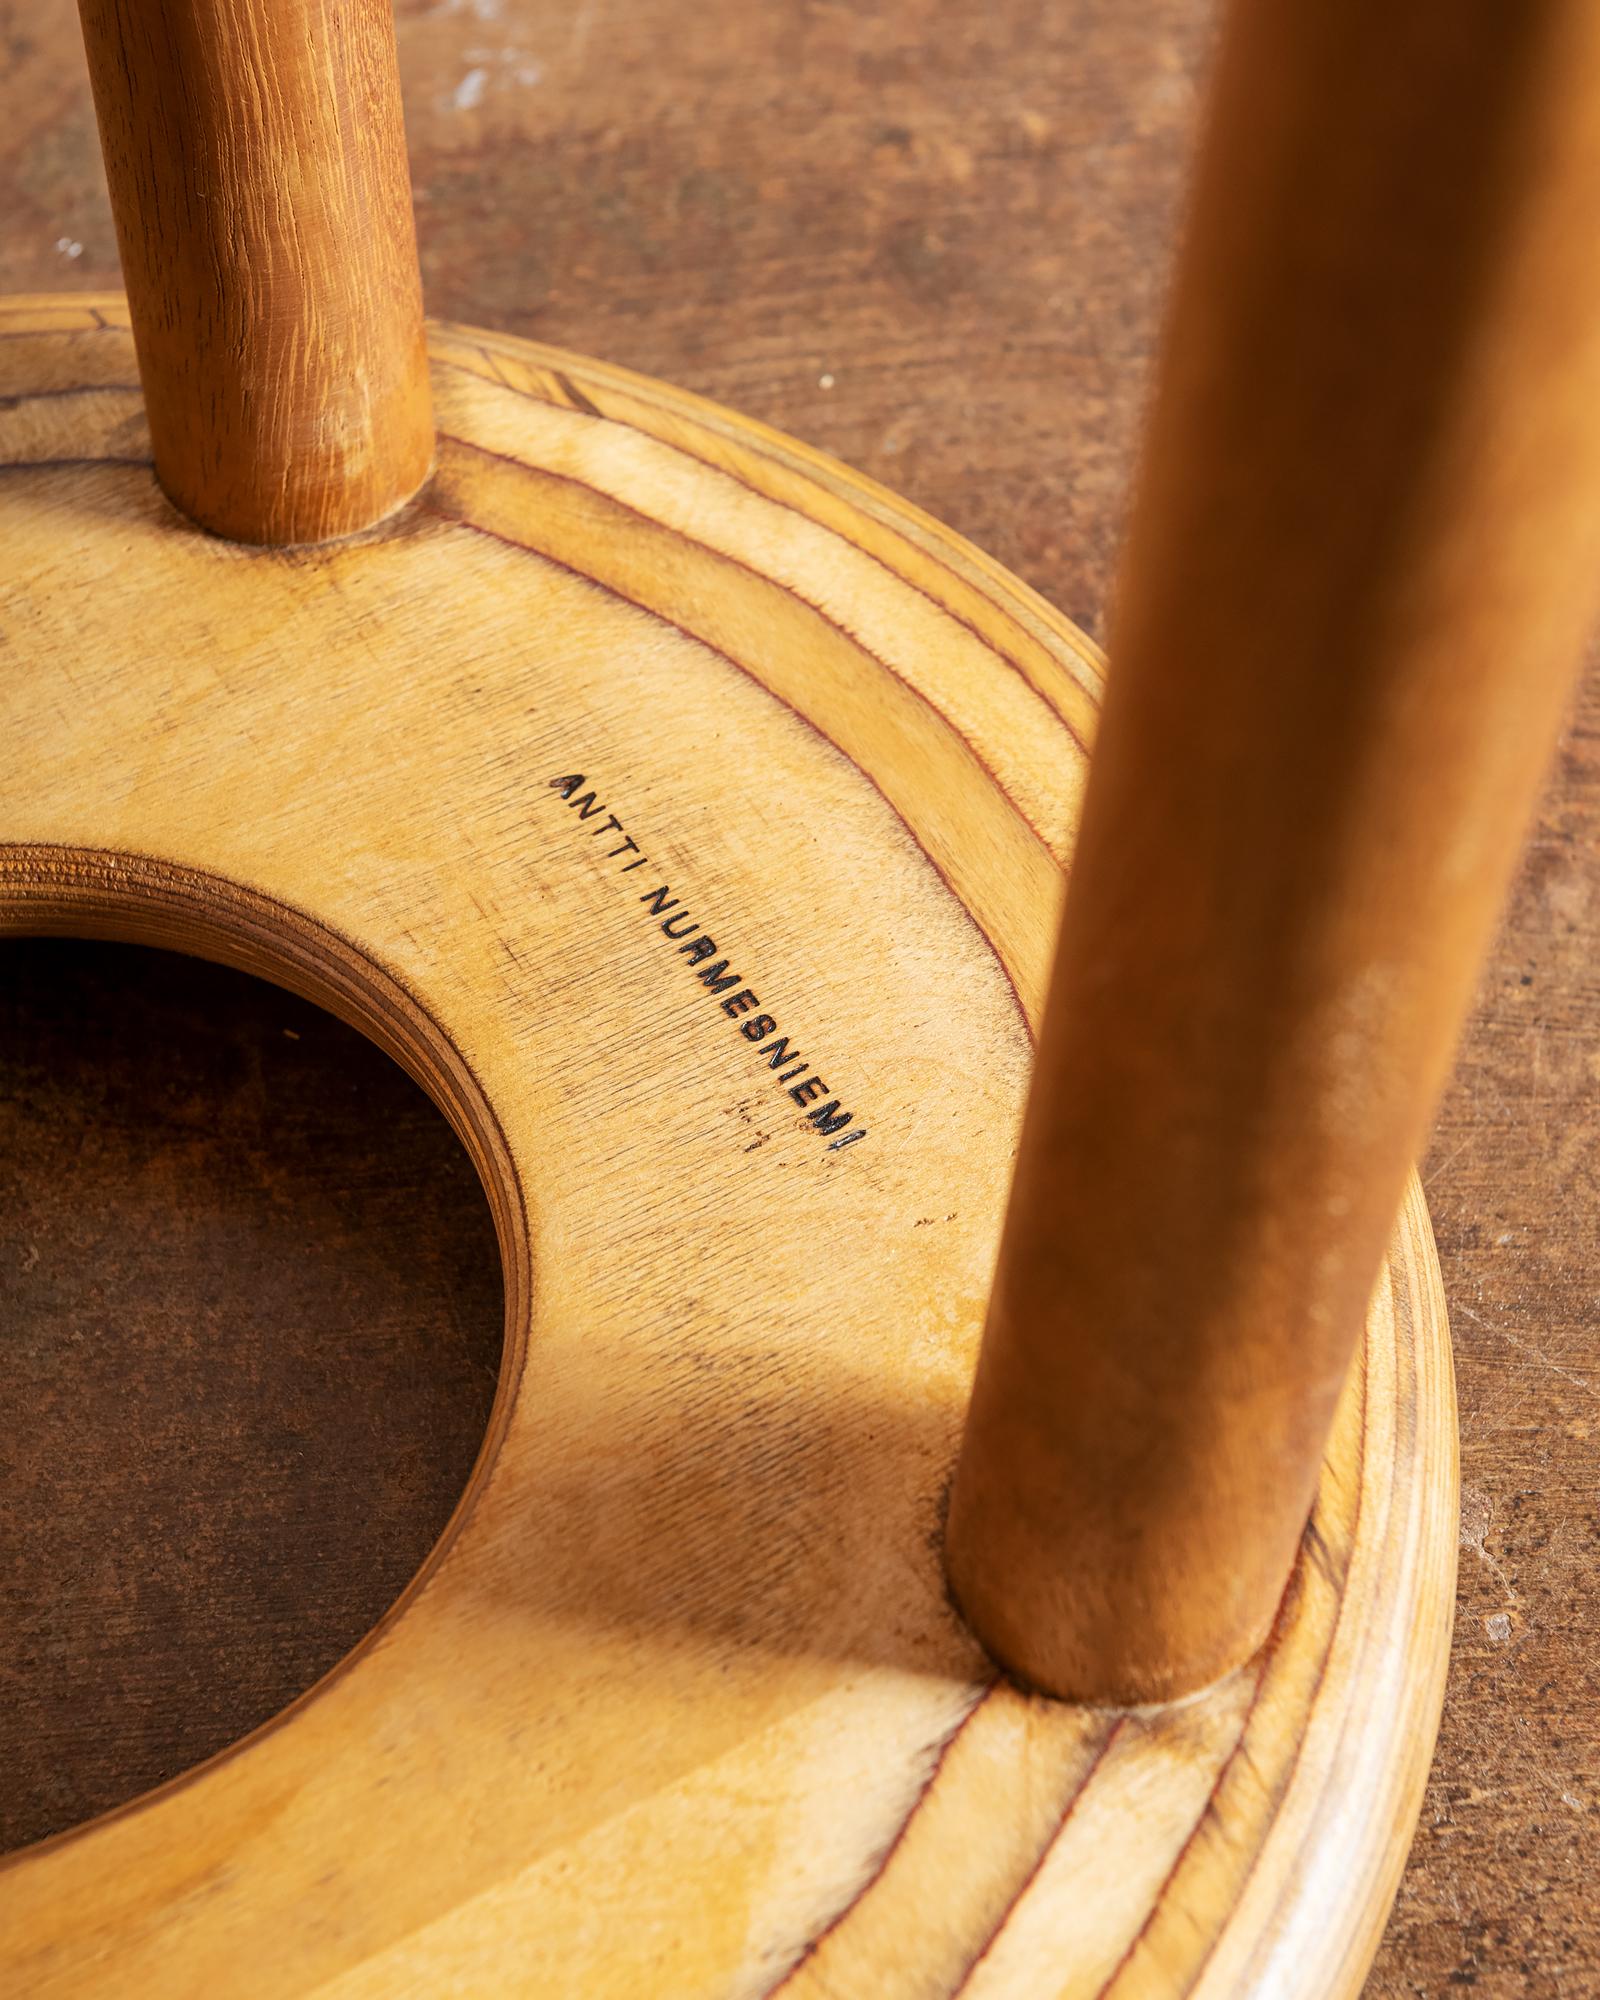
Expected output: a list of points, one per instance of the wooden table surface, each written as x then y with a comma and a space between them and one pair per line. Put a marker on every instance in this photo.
249, 1296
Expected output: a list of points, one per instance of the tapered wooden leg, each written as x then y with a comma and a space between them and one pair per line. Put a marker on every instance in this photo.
257, 166
1363, 556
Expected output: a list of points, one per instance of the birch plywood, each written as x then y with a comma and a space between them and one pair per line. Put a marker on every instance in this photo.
688, 816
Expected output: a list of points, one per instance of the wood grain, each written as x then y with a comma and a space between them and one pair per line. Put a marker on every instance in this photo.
680, 1703
257, 165
962, 217
1364, 557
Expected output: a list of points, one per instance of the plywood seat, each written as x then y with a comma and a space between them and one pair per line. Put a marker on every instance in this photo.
970, 1507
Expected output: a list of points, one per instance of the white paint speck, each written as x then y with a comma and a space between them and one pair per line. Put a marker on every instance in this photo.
469, 91
1498, 1627
68, 247
1572, 1799
824, 381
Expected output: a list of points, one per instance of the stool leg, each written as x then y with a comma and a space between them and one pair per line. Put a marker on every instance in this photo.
258, 176
1363, 556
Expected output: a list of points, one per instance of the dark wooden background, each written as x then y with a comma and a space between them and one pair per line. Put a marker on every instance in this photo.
250, 1308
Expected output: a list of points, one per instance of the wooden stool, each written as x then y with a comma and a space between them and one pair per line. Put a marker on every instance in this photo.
688, 816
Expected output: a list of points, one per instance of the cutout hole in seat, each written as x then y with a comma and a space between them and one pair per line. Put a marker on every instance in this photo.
251, 1307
